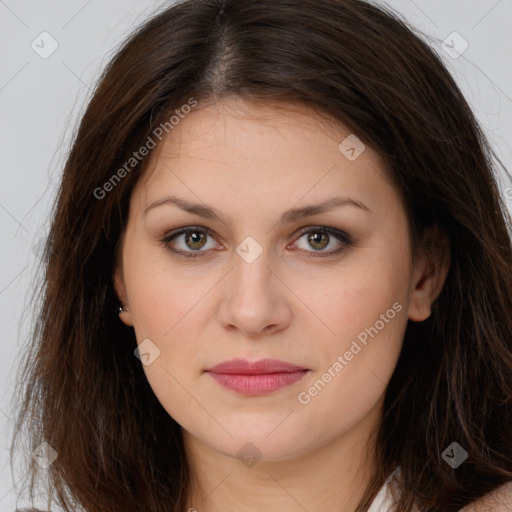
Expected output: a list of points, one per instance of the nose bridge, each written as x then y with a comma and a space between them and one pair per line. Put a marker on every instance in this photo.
252, 274
252, 301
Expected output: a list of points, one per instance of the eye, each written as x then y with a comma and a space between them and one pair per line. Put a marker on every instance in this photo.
320, 237
194, 238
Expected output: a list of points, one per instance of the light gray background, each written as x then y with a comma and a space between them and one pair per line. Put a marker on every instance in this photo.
42, 99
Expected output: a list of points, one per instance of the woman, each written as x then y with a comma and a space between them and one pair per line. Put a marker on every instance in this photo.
295, 211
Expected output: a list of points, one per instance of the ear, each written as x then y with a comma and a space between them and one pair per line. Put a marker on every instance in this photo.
120, 289
430, 271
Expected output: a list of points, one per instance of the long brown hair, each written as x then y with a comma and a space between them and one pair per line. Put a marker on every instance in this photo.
80, 387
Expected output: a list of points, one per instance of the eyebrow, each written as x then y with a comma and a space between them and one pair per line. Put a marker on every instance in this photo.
289, 216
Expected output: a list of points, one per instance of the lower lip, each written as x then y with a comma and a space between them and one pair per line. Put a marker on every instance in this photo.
257, 384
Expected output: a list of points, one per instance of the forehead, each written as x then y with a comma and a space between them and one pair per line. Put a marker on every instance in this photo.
239, 148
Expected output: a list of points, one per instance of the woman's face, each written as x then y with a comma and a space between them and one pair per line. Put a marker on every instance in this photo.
269, 278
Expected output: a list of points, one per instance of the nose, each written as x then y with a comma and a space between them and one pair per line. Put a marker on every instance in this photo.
254, 299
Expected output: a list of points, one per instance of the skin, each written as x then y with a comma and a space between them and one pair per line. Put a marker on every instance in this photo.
251, 162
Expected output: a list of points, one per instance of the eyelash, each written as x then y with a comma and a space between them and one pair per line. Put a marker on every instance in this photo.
340, 235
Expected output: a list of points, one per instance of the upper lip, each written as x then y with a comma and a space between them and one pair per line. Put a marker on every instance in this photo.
242, 366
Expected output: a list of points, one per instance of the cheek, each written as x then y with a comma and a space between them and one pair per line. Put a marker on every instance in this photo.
349, 304
159, 294
365, 307
176, 394
356, 364
165, 308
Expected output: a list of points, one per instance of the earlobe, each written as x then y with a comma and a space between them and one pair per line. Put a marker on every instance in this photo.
420, 303
430, 273
120, 290
125, 317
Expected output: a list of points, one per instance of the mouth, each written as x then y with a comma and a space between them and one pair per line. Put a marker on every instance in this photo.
256, 378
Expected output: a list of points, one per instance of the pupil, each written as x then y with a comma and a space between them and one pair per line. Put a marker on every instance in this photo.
316, 238
195, 237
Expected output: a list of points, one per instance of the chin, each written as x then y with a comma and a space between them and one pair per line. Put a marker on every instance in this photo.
268, 441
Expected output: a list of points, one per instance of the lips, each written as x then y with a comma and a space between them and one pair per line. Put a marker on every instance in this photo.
244, 367
258, 377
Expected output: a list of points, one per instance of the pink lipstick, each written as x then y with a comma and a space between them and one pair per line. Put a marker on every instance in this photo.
256, 378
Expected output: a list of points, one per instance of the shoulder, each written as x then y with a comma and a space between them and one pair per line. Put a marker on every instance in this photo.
499, 500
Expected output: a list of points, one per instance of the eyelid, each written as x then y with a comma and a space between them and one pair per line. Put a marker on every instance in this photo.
339, 234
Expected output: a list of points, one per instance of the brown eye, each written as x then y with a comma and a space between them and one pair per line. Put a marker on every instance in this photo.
189, 242
195, 239
318, 240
